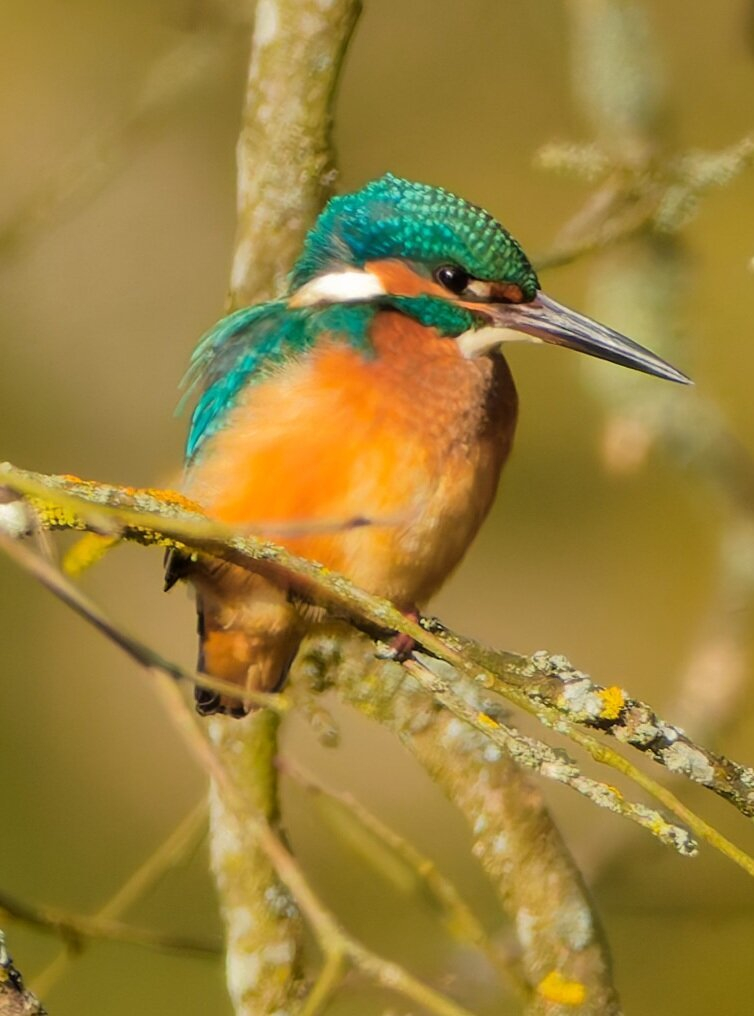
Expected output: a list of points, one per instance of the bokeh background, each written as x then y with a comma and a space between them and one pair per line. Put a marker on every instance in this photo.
101, 302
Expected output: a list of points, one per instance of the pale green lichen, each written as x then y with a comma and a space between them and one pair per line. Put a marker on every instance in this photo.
682, 758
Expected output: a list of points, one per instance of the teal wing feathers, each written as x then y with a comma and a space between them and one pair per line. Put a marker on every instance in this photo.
245, 346
224, 360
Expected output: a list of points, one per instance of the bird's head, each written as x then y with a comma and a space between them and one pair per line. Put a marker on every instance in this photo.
450, 265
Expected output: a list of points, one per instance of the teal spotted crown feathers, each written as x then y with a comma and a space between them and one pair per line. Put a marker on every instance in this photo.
392, 217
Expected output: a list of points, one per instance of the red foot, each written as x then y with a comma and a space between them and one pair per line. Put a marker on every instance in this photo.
401, 646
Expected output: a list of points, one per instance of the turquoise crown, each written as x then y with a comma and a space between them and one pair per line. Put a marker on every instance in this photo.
396, 218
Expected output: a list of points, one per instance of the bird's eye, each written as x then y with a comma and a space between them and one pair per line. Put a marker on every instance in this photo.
453, 278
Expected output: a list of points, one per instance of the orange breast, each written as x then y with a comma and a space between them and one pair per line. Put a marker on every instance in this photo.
409, 442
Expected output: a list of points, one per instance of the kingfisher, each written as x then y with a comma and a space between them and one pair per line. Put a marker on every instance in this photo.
373, 391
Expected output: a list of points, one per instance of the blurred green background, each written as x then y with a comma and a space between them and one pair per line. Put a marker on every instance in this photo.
100, 306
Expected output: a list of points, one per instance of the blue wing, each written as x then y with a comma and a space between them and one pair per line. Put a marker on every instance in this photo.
246, 345
224, 360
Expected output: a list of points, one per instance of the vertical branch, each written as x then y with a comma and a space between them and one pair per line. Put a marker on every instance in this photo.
263, 925
286, 165
285, 172
514, 838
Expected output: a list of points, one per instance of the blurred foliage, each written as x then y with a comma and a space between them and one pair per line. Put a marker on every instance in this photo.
99, 312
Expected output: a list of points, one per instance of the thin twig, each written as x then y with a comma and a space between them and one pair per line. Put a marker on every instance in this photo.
75, 928
332, 938
167, 856
328, 982
458, 918
532, 683
50, 577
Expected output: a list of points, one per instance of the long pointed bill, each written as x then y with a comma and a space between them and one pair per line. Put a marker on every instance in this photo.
548, 321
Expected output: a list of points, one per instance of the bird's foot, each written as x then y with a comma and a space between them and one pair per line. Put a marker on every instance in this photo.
401, 646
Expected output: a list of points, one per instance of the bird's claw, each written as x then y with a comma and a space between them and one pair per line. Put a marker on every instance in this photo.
401, 646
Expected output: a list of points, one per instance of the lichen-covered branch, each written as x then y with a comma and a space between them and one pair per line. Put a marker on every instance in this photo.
646, 194
285, 173
463, 700
554, 682
458, 691
15, 998
547, 686
286, 166
554, 980
513, 836
341, 951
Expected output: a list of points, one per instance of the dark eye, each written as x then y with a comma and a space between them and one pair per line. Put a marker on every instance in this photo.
453, 278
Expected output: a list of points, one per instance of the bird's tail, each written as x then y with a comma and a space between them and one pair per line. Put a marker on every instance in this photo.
248, 631
252, 657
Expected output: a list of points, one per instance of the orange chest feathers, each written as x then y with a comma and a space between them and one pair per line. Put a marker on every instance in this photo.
379, 467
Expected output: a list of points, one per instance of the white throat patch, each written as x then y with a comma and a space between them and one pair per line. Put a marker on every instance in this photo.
478, 341
348, 286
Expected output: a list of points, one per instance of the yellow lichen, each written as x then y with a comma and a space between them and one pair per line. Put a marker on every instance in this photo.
53, 516
658, 826
171, 497
486, 721
555, 988
87, 551
613, 701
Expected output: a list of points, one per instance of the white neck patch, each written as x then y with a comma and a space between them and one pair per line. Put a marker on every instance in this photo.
348, 286
478, 341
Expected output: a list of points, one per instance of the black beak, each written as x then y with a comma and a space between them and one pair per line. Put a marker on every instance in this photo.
548, 321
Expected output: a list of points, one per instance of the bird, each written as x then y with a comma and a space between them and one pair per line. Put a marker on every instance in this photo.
367, 413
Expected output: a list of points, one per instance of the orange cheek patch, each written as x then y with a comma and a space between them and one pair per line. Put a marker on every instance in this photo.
400, 279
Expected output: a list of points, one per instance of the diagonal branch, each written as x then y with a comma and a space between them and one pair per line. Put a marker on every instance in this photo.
339, 948
167, 856
75, 928
356, 821
538, 684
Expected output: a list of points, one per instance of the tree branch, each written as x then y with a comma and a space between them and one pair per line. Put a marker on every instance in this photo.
15, 998
167, 856
254, 830
338, 593
641, 284
286, 166
75, 928
285, 173
545, 686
